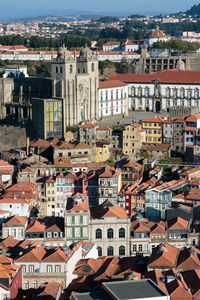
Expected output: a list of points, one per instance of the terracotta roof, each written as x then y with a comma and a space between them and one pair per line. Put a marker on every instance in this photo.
112, 43
36, 227
190, 128
188, 260
104, 128
4, 163
163, 256
90, 125
169, 76
39, 143
28, 170
23, 186
193, 118
8, 243
55, 256
34, 255
62, 162
17, 200
16, 220
157, 33
177, 223
100, 212
154, 120
81, 205
51, 289
111, 84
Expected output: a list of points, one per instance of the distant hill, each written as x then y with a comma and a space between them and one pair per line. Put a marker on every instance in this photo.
194, 11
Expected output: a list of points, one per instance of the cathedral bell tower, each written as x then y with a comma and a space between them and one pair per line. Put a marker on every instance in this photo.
76, 81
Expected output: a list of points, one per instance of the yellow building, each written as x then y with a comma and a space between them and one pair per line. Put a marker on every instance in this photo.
154, 129
102, 152
133, 137
69, 136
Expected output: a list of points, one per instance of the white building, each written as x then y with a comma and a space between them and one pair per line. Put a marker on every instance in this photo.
110, 230
117, 56
161, 91
156, 36
113, 98
190, 131
17, 207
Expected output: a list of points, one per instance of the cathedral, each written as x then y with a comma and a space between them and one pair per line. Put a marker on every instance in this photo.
76, 81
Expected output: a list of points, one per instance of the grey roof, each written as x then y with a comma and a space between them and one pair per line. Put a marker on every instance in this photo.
91, 296
133, 289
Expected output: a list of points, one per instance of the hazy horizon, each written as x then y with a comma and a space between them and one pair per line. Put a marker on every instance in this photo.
23, 8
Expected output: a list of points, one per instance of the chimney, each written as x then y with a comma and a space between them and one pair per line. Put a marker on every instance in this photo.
27, 145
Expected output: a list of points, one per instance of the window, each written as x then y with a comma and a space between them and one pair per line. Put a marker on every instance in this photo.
98, 234
92, 67
121, 250
110, 233
24, 268
31, 268
70, 69
61, 70
26, 285
56, 69
140, 248
121, 233
99, 249
110, 251
49, 269
35, 285
57, 268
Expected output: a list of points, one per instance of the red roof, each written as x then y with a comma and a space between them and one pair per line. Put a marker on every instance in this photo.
193, 118
110, 84
157, 33
169, 76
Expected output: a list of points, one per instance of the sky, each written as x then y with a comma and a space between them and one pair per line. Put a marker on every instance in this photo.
22, 8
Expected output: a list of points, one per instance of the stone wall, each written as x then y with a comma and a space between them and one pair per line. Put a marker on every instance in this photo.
12, 137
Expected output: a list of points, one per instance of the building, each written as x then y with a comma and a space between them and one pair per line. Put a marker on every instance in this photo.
113, 98
192, 124
76, 81
154, 130
52, 264
159, 198
10, 278
102, 152
133, 137
156, 36
47, 117
162, 90
131, 290
87, 134
17, 207
131, 171
110, 230
6, 95
6, 173
109, 184
26, 175
14, 226
77, 219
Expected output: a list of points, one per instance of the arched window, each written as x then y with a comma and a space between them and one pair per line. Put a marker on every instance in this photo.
61, 70
70, 69
110, 233
189, 93
133, 92
99, 249
98, 234
121, 233
121, 250
110, 251
84, 71
92, 67
182, 93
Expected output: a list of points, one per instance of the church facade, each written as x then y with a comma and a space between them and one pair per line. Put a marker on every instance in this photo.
76, 81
